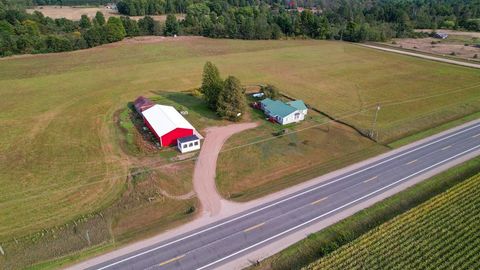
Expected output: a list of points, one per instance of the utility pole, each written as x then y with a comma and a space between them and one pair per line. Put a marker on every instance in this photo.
88, 238
374, 125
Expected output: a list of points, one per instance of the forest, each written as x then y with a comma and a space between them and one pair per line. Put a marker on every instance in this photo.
349, 20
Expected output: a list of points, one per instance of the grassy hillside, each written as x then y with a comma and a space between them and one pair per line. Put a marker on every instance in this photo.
59, 155
442, 233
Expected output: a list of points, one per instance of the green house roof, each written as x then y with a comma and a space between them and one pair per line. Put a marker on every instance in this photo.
276, 107
298, 104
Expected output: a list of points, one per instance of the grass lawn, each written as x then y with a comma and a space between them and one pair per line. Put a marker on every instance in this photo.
60, 158
270, 163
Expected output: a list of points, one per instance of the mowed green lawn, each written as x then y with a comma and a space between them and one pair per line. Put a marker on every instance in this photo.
59, 158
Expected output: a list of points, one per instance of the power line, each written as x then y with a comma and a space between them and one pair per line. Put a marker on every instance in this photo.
385, 104
169, 164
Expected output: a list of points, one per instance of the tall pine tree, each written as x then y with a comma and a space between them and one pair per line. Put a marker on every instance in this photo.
212, 84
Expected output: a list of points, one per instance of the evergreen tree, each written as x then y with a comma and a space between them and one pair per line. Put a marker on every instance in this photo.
211, 84
99, 18
131, 26
146, 25
115, 30
231, 102
85, 22
171, 25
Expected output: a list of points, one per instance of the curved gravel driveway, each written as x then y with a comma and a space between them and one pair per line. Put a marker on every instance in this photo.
205, 168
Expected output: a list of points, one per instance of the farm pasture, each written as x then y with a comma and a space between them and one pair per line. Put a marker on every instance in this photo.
60, 158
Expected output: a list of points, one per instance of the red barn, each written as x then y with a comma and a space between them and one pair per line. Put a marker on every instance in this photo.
167, 124
141, 104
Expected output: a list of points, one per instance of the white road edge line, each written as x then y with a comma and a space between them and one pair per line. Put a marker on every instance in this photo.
446, 147
286, 199
336, 209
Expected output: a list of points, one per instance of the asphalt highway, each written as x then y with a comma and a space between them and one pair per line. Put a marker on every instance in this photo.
213, 245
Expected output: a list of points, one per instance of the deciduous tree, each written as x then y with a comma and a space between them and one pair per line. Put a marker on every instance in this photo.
231, 102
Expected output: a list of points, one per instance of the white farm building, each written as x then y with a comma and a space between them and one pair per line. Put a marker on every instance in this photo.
284, 113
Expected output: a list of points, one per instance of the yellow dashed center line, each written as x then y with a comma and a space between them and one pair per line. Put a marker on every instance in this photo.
373, 178
318, 201
446, 147
254, 227
474, 136
172, 260
413, 161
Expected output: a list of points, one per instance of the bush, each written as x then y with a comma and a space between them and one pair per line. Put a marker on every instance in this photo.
271, 91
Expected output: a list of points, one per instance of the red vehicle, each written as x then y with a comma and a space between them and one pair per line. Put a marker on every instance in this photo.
271, 119
255, 105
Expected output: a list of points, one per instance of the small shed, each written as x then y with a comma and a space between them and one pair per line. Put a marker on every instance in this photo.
142, 103
188, 144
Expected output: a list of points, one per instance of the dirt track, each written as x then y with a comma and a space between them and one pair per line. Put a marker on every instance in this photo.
204, 174
439, 59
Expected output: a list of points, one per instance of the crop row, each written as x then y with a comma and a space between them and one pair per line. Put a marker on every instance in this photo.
443, 233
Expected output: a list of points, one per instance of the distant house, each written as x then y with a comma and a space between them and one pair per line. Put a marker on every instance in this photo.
167, 124
284, 113
440, 35
188, 144
142, 103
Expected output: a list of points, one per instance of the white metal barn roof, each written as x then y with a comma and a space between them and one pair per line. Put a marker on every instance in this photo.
164, 119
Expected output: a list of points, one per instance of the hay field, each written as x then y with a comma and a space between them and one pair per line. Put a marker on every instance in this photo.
59, 157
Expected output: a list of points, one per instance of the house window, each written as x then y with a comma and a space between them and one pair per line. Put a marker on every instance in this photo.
184, 146
297, 115
191, 144
196, 143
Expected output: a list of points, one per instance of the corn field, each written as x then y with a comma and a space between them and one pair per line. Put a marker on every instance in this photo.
443, 233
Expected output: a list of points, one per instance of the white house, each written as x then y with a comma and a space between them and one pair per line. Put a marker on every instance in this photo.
188, 144
284, 113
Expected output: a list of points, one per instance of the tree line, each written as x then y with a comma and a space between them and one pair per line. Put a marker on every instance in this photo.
350, 20
22, 33
71, 2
